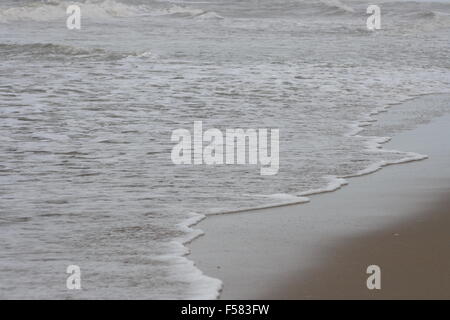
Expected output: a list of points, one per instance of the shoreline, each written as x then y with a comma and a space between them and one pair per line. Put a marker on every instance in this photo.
256, 242
357, 127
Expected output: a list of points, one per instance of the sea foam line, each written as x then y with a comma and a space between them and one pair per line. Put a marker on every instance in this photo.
207, 287
335, 183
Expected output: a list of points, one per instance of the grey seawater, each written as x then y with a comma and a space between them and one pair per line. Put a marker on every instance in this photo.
86, 119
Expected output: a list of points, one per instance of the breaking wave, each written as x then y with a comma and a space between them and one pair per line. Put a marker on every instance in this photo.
59, 51
431, 15
47, 49
336, 7
105, 9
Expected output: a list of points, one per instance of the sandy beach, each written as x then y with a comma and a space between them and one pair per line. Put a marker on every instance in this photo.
397, 218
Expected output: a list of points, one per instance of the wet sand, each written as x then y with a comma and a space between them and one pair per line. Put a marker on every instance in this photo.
413, 256
397, 218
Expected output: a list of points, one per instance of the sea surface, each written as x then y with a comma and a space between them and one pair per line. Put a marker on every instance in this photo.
86, 118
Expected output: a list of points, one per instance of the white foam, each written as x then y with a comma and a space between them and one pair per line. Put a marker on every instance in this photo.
183, 269
48, 11
374, 144
106, 9
334, 183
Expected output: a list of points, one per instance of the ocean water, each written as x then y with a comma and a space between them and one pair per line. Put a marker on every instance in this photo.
86, 118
